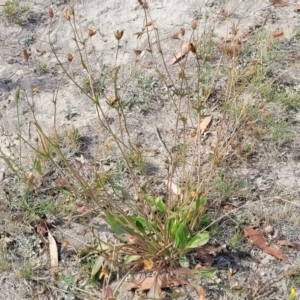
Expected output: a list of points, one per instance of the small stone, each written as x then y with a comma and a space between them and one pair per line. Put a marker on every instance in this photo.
269, 229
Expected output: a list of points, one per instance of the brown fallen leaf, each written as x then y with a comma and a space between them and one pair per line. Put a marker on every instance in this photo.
178, 34
204, 123
278, 33
279, 3
165, 281
290, 244
297, 8
204, 256
107, 293
201, 294
258, 239
186, 47
155, 290
53, 254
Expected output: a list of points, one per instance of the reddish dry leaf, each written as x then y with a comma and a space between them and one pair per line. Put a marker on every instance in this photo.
181, 271
162, 281
257, 239
205, 122
155, 290
107, 293
186, 47
53, 254
278, 33
279, 3
205, 257
201, 294
290, 244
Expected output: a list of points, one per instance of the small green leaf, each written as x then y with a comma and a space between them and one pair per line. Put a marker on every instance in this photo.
183, 261
170, 227
97, 265
140, 226
200, 202
114, 225
198, 240
161, 206
181, 236
131, 258
208, 273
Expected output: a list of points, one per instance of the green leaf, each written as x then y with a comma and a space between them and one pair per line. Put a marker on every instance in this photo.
161, 206
198, 240
131, 258
183, 261
140, 226
170, 227
114, 225
97, 265
181, 236
208, 273
200, 202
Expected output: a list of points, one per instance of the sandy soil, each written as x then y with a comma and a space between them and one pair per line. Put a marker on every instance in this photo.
271, 170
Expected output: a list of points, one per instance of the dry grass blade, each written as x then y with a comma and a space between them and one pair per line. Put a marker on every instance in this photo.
257, 239
53, 254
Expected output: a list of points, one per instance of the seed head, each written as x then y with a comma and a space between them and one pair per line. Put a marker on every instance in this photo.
119, 34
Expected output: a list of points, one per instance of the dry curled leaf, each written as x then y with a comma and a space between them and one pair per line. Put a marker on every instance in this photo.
279, 3
186, 47
289, 244
53, 254
204, 124
258, 239
178, 34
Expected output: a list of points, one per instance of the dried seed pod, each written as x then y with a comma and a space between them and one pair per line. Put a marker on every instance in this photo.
194, 24
25, 54
144, 4
67, 14
50, 13
119, 34
70, 57
91, 32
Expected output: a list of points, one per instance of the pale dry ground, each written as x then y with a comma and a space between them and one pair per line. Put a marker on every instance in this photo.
273, 171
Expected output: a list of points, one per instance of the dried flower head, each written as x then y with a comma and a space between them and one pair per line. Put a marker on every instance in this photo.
50, 13
68, 14
91, 32
70, 57
119, 34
